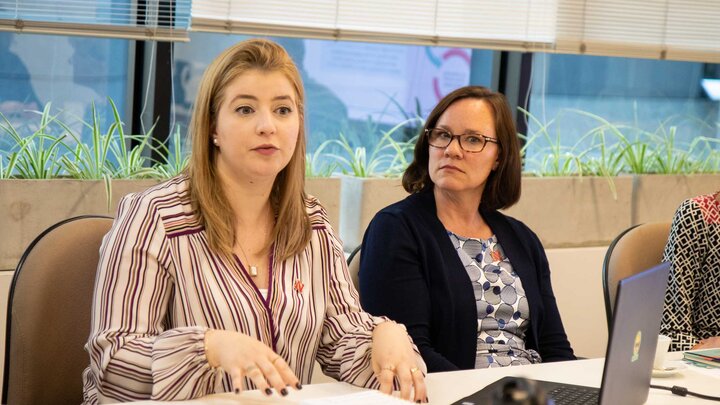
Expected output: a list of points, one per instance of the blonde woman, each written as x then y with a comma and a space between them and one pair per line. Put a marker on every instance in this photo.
229, 277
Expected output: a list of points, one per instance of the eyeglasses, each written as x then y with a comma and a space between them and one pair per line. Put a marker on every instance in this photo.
473, 143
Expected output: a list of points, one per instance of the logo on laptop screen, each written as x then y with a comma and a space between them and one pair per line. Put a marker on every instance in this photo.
636, 347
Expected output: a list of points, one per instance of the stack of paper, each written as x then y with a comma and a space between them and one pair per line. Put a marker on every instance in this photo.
706, 357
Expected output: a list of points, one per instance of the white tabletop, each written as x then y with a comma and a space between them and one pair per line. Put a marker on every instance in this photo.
446, 388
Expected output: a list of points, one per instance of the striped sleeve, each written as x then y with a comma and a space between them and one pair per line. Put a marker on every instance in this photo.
132, 356
346, 340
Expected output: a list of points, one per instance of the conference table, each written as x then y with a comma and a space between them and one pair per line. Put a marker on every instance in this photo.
446, 388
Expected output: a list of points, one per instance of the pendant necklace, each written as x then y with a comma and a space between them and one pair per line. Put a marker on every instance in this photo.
253, 269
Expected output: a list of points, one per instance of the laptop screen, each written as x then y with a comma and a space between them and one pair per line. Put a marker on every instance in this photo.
634, 334
630, 351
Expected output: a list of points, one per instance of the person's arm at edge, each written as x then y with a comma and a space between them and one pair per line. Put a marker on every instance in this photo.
684, 250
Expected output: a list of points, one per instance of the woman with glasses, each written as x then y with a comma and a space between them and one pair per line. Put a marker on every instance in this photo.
471, 284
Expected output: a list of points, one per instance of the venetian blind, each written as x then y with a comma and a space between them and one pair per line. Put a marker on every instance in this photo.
658, 29
494, 24
164, 20
671, 29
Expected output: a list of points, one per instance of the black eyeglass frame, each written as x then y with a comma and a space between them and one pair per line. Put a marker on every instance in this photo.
485, 139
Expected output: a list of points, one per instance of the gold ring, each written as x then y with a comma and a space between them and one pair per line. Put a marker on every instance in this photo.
275, 359
414, 370
250, 369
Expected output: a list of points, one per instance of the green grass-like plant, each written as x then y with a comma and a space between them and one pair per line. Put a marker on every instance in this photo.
610, 149
176, 158
387, 159
314, 164
35, 156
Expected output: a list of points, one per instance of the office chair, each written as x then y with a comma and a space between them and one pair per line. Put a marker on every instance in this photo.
353, 262
636, 249
48, 318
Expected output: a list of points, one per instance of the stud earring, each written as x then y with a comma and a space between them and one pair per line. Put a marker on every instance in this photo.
215, 141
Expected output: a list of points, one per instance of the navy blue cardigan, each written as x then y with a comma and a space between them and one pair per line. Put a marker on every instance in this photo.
410, 272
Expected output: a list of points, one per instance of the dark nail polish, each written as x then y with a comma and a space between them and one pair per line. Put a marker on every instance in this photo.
268, 391
298, 386
427, 400
417, 402
237, 390
283, 392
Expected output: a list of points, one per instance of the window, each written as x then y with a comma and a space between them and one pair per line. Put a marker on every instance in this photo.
355, 89
645, 101
70, 73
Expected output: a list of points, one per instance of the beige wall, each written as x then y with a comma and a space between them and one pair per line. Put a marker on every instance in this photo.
577, 282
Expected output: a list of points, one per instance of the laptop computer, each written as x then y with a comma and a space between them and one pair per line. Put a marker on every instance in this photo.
629, 355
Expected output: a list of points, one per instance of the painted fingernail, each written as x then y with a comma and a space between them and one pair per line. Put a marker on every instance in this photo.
298, 386
417, 402
268, 391
283, 392
237, 390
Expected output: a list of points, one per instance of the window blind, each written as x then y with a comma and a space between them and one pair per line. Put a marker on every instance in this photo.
495, 24
162, 20
660, 29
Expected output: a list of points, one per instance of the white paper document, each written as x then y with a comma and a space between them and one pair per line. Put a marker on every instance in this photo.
357, 398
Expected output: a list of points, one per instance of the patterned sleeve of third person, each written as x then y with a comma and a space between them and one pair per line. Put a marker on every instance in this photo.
684, 250
346, 341
132, 356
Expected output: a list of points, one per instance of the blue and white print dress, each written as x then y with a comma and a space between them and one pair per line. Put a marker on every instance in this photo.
502, 307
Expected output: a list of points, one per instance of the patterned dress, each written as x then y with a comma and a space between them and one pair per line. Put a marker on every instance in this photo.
692, 300
502, 308
160, 287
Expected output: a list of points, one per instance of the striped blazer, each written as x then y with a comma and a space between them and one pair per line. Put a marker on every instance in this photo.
159, 287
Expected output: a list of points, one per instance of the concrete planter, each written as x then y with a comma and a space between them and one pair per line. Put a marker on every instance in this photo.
563, 211
327, 191
574, 211
360, 200
658, 196
28, 207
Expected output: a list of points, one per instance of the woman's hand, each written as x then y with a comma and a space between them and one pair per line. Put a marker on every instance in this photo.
708, 343
393, 355
243, 356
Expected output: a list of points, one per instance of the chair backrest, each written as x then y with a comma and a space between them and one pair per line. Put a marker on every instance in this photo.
48, 318
636, 249
353, 262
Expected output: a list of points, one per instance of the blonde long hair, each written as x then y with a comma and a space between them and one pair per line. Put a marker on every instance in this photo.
291, 232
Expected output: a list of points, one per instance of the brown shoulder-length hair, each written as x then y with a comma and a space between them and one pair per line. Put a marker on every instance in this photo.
502, 189
291, 232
